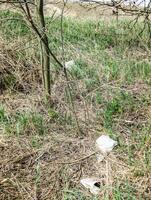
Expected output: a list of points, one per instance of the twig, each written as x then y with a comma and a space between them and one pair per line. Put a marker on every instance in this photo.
78, 160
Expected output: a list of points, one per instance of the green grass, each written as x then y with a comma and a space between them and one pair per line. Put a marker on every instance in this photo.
101, 49
107, 70
21, 123
122, 102
12, 25
76, 195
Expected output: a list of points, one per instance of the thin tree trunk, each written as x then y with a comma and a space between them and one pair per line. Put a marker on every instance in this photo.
45, 50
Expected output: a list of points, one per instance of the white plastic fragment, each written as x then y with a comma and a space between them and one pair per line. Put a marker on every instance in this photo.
100, 158
105, 143
92, 184
69, 64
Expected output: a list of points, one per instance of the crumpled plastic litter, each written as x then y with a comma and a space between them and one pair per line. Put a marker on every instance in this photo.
93, 184
69, 65
105, 144
100, 158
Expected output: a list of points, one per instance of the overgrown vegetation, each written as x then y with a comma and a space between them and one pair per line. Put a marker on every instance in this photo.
111, 86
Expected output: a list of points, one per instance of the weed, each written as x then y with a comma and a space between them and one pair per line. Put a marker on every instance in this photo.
2, 114
36, 141
98, 97
121, 103
124, 191
20, 123
13, 25
52, 114
76, 195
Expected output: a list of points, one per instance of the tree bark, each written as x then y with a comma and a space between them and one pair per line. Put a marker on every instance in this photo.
45, 51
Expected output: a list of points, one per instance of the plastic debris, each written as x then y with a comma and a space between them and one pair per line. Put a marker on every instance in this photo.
105, 144
93, 184
69, 64
100, 158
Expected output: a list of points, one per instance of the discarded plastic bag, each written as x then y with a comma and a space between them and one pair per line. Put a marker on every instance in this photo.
100, 158
69, 64
92, 184
105, 143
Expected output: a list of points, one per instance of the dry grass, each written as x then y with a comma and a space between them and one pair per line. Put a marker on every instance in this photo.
17, 72
57, 165
41, 155
45, 173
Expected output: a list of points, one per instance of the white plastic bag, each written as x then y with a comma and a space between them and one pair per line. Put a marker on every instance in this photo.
93, 184
105, 144
69, 65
